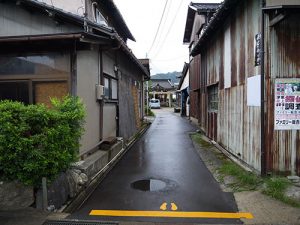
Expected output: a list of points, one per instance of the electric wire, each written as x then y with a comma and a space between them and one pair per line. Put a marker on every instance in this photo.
168, 32
169, 6
170, 59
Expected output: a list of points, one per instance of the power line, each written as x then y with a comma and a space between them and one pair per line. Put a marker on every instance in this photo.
170, 59
158, 26
163, 25
168, 32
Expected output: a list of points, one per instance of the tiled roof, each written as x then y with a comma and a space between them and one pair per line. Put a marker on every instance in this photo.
215, 23
205, 6
192, 9
162, 84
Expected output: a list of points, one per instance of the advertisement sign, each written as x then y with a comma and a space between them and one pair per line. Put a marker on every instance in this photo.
287, 104
258, 46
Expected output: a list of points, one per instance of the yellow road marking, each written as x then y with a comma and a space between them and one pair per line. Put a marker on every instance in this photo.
128, 213
163, 206
174, 206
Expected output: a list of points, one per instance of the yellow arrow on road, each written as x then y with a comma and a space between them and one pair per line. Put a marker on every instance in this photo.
215, 215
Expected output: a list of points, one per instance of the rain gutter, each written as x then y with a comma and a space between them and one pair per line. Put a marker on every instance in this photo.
40, 37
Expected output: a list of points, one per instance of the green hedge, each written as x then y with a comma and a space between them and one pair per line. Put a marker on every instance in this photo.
36, 141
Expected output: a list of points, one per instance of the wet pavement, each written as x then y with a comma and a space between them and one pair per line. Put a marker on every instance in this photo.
161, 172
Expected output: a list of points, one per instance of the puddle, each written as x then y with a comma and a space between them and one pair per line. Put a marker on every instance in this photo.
149, 185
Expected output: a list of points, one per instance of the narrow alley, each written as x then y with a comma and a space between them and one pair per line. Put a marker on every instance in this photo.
161, 172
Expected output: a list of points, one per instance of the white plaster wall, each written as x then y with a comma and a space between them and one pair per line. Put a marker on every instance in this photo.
186, 81
227, 58
87, 78
73, 6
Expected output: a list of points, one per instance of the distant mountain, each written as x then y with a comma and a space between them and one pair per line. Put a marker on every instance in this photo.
173, 76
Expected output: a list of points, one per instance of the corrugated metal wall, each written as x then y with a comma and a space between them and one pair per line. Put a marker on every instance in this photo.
129, 77
283, 61
194, 87
195, 71
238, 125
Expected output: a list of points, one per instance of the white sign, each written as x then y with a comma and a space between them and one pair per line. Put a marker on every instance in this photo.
287, 104
227, 59
253, 91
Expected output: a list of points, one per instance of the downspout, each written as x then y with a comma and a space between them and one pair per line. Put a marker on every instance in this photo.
101, 81
118, 94
262, 91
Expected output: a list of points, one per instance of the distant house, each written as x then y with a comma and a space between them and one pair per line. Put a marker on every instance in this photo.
52, 48
250, 60
183, 90
164, 90
163, 86
198, 16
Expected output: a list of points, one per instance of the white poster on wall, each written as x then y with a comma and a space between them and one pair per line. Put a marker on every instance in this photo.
253, 91
287, 104
227, 59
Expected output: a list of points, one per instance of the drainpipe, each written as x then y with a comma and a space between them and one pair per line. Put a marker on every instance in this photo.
262, 91
101, 81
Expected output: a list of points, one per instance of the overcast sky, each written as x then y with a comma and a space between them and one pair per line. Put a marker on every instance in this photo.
168, 53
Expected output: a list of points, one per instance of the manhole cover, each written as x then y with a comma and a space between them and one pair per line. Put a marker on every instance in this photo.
149, 185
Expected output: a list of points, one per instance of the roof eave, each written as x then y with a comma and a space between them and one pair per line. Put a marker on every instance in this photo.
221, 14
189, 24
183, 74
121, 20
128, 51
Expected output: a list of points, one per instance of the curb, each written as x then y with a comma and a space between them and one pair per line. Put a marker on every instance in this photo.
80, 199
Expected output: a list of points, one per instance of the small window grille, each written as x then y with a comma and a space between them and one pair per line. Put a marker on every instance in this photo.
213, 98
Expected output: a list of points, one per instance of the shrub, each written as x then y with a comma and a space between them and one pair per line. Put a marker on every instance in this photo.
36, 141
149, 112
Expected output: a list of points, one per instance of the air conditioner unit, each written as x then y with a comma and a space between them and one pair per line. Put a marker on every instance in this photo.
99, 91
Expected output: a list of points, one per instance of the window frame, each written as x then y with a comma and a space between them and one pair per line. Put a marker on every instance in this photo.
110, 91
98, 17
213, 98
31, 79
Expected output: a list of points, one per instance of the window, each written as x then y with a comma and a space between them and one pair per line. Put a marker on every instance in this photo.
15, 91
33, 78
114, 89
213, 98
31, 65
30, 92
106, 88
98, 16
110, 88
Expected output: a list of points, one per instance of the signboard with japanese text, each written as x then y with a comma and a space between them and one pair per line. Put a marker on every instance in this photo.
257, 52
287, 104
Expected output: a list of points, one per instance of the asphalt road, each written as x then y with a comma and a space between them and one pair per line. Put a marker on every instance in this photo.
174, 179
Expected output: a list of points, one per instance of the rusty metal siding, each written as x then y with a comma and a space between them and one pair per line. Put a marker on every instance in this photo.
194, 73
238, 125
202, 93
283, 61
